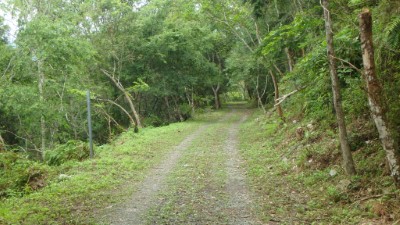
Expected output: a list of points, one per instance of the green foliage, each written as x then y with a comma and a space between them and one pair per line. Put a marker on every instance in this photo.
354, 2
72, 150
234, 96
392, 33
335, 195
186, 110
354, 99
295, 35
19, 176
153, 120
139, 86
302, 170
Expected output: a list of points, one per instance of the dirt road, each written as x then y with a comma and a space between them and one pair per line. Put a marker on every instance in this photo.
200, 182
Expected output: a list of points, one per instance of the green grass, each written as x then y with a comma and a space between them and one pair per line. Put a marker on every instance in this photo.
94, 184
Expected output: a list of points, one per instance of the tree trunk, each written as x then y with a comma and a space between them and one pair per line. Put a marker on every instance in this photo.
217, 103
41, 80
276, 87
2, 144
259, 97
122, 108
277, 69
190, 98
348, 162
290, 59
193, 105
127, 96
376, 98
168, 108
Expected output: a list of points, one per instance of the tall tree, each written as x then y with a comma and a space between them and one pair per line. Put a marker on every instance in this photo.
348, 162
376, 98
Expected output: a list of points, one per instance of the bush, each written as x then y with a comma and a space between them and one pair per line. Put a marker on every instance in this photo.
72, 150
19, 175
154, 121
234, 96
186, 110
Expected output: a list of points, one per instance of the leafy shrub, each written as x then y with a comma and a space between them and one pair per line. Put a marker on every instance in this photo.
7, 159
19, 175
354, 98
72, 150
204, 101
186, 110
154, 121
234, 96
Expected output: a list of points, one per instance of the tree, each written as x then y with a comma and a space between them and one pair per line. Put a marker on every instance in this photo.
376, 98
5, 61
276, 96
344, 145
50, 61
127, 96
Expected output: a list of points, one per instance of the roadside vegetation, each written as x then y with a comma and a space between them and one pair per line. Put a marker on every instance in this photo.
72, 191
298, 179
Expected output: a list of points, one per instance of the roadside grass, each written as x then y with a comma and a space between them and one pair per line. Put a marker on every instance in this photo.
90, 185
196, 188
300, 180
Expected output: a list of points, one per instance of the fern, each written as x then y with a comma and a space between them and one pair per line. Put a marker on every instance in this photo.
72, 150
392, 33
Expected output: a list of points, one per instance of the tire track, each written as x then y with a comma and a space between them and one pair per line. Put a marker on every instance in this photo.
135, 208
240, 203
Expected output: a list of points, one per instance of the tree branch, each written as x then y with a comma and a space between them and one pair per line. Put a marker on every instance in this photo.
111, 118
25, 139
119, 106
8, 67
367, 198
348, 63
283, 98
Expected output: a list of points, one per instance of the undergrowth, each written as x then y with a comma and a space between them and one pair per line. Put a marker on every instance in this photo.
298, 178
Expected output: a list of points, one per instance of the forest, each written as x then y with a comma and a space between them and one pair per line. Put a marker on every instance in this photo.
321, 78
